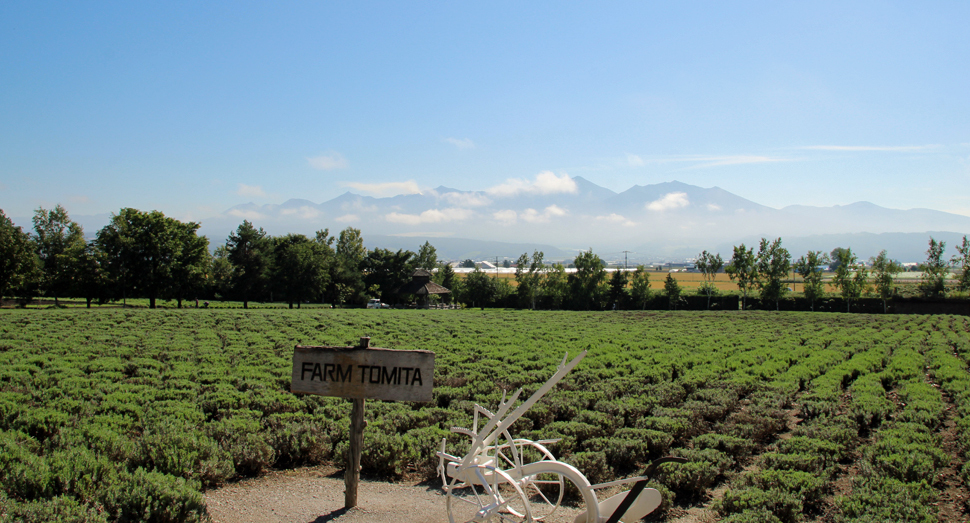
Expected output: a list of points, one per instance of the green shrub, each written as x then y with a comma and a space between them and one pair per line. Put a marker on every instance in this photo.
784, 505
888, 499
63, 509
152, 496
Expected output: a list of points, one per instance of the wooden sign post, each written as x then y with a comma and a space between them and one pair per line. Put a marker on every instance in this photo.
359, 373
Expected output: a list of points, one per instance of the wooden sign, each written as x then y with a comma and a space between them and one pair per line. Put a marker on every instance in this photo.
363, 373
360, 373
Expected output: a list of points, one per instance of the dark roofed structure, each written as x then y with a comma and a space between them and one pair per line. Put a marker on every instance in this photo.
422, 286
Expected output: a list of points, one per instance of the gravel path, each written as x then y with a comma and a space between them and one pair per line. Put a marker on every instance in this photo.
316, 495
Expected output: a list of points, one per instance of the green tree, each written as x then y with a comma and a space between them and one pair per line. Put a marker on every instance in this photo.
528, 275
300, 268
191, 263
744, 270
426, 258
586, 284
18, 258
385, 271
92, 280
347, 277
468, 264
221, 274
935, 270
555, 286
850, 278
809, 267
672, 290
963, 261
834, 257
640, 287
774, 264
480, 288
884, 271
447, 278
145, 250
709, 264
250, 254
60, 243
619, 296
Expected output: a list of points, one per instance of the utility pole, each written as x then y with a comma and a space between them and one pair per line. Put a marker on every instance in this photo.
625, 259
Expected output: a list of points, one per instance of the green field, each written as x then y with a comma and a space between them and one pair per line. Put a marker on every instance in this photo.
128, 415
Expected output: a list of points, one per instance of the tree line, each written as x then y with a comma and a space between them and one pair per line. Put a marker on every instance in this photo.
149, 255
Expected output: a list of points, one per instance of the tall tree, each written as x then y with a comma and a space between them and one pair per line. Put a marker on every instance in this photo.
447, 278
92, 281
884, 272
221, 274
963, 261
587, 282
709, 264
299, 270
249, 252
774, 264
480, 288
809, 267
640, 287
18, 258
144, 251
528, 275
60, 244
426, 258
385, 271
191, 263
743, 269
619, 296
555, 286
672, 290
935, 270
837, 254
850, 278
347, 278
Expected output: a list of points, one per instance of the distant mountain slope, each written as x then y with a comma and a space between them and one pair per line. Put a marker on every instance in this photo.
670, 219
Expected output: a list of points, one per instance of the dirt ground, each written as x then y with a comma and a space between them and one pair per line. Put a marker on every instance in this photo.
316, 495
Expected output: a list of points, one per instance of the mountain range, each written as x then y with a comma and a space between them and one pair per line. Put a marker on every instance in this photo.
562, 216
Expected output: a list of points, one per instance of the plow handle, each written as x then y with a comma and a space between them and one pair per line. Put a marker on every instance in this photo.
639, 486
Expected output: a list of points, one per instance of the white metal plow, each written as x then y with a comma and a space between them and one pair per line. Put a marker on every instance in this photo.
506, 479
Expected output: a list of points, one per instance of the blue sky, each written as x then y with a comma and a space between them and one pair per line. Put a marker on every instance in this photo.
190, 108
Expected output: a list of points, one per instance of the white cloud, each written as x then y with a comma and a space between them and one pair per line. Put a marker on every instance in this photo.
451, 214
386, 189
357, 206
546, 182
461, 143
614, 218
77, 198
634, 160
673, 200
713, 207
250, 191
328, 161
533, 216
246, 215
304, 212
505, 217
740, 159
891, 148
348, 218
466, 199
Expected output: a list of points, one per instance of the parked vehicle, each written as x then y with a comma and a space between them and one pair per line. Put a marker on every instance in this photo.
375, 303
